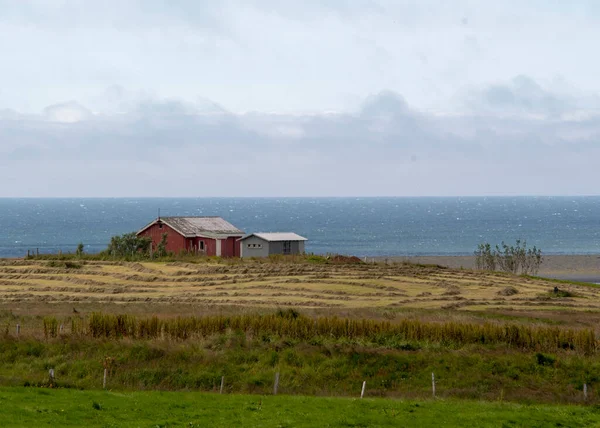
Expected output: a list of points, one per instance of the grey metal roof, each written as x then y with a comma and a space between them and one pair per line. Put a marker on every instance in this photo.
199, 226
276, 236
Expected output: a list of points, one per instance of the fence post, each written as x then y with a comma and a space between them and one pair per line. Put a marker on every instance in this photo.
18, 329
276, 384
51, 374
362, 392
104, 380
433, 384
585, 391
222, 383
61, 329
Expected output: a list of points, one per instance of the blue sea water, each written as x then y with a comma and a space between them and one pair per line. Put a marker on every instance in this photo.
359, 226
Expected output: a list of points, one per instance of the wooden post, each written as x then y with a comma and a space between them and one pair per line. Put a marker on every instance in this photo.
433, 384
61, 329
222, 384
585, 391
51, 373
104, 380
18, 329
362, 392
276, 384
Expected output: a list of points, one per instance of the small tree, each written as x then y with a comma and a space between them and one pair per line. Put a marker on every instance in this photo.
484, 257
161, 248
79, 250
509, 258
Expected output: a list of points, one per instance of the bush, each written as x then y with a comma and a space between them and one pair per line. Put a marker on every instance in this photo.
161, 248
544, 360
513, 259
128, 245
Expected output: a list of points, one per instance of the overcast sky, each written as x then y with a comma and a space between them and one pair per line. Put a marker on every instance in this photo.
295, 98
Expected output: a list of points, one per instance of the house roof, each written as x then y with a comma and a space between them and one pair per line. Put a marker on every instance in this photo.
276, 236
198, 226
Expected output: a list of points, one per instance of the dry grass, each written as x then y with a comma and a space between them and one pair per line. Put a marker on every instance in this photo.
339, 288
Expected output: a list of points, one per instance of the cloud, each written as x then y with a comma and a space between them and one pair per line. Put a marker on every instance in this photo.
294, 57
152, 146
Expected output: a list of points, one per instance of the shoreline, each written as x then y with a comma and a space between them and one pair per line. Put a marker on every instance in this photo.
583, 267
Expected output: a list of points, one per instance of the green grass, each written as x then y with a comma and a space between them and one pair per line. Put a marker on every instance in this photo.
321, 367
29, 407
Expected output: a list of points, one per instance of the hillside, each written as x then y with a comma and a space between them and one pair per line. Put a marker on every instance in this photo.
344, 287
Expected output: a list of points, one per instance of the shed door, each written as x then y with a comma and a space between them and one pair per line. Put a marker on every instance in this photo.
287, 247
218, 248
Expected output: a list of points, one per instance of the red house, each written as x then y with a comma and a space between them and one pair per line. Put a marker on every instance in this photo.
212, 236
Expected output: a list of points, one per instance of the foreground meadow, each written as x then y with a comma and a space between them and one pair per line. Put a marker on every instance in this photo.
34, 407
322, 326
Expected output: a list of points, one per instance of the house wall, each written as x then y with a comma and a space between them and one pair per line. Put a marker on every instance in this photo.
251, 251
175, 241
210, 246
230, 247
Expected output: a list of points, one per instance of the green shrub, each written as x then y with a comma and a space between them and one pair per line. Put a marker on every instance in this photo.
129, 244
544, 360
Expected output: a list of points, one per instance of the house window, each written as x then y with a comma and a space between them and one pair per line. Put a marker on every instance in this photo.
254, 245
160, 225
287, 247
201, 245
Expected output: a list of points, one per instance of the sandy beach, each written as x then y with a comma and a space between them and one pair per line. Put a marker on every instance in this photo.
584, 268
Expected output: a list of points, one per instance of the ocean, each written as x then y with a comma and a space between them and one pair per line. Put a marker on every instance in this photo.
357, 226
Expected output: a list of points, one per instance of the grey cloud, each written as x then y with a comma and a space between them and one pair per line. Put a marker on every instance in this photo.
520, 95
384, 103
386, 147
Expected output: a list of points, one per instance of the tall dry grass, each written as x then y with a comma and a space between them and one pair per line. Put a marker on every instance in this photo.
293, 325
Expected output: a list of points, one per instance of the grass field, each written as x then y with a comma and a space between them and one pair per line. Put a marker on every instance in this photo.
28, 407
343, 288
184, 324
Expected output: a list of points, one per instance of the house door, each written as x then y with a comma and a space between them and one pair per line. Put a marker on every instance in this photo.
287, 247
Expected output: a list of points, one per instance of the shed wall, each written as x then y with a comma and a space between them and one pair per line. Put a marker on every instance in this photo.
247, 249
297, 247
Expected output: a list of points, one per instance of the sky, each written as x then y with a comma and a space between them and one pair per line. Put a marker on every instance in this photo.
287, 98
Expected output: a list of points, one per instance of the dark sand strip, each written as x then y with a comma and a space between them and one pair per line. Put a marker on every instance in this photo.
585, 268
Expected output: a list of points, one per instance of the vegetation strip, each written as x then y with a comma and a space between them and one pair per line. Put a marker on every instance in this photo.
290, 323
321, 365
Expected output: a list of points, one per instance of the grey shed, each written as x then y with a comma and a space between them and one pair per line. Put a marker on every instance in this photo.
264, 244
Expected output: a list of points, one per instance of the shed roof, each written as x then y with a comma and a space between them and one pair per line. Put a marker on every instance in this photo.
276, 236
198, 226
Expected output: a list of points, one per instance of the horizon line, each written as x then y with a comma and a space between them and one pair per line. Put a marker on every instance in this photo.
313, 196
